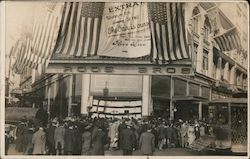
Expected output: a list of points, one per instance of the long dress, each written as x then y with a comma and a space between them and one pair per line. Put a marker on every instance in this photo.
191, 135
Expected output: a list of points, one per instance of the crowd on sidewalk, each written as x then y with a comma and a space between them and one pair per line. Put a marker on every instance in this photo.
93, 136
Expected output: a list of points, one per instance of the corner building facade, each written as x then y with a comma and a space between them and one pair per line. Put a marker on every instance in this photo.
217, 74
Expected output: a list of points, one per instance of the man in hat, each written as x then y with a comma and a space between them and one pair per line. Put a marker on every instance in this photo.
128, 142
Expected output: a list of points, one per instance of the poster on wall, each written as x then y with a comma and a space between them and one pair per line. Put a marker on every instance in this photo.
125, 30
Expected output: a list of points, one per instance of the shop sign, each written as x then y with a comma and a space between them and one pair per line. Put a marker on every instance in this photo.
119, 69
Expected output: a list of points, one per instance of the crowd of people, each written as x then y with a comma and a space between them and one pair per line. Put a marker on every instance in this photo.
93, 136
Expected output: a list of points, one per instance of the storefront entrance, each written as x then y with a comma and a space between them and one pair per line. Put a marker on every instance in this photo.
186, 110
161, 108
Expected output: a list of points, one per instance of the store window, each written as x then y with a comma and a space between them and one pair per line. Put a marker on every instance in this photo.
180, 87
205, 60
205, 92
218, 114
195, 15
193, 89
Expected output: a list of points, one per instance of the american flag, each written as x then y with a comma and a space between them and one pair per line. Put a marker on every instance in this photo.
229, 40
80, 29
37, 47
44, 39
21, 54
168, 32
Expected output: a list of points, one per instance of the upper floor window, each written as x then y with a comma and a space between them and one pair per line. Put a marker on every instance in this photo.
195, 16
205, 60
207, 28
195, 54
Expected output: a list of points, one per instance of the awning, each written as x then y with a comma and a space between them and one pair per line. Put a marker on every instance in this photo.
230, 100
190, 98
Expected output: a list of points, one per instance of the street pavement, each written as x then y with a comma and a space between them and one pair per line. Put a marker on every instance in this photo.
166, 152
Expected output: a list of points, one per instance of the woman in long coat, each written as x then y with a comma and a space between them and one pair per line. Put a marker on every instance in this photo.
98, 141
39, 140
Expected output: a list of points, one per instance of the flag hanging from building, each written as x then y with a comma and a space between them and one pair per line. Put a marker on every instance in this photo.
21, 54
44, 36
125, 30
80, 29
38, 45
167, 31
229, 40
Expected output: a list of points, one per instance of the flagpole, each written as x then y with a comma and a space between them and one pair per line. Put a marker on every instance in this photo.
225, 32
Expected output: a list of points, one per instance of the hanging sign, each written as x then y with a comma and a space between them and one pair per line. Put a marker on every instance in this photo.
125, 30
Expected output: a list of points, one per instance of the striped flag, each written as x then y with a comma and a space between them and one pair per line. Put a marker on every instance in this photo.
43, 38
80, 29
228, 40
167, 32
37, 47
17, 66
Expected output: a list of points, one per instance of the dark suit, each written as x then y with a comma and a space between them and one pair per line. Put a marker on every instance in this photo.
99, 140
128, 141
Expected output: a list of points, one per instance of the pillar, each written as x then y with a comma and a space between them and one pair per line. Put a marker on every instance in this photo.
218, 69
200, 104
33, 76
146, 95
55, 86
171, 104
226, 71
85, 93
210, 61
70, 94
200, 52
48, 102
232, 76
200, 110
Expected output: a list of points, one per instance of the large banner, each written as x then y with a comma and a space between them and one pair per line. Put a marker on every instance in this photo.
125, 30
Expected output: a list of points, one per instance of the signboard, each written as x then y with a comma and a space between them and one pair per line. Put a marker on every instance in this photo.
125, 30
119, 69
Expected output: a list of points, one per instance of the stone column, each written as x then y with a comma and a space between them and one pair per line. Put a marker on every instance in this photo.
85, 93
210, 61
226, 71
70, 94
171, 104
200, 104
146, 95
49, 92
232, 76
200, 52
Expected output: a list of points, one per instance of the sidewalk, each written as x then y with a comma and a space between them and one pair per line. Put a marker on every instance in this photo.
166, 152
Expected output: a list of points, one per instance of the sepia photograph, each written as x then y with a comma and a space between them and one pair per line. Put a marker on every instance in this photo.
145, 79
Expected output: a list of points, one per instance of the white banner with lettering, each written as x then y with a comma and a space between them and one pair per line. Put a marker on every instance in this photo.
125, 30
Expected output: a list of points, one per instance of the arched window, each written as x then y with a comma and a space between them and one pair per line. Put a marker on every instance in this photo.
207, 28
195, 16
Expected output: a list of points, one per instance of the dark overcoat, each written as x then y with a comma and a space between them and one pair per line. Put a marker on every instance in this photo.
147, 143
